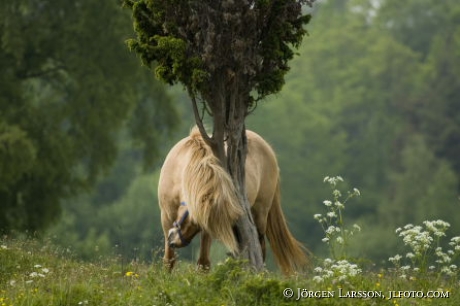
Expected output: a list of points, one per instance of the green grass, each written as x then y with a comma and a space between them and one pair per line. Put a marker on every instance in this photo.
33, 272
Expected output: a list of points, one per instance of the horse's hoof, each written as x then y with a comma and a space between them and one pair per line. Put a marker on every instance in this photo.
203, 268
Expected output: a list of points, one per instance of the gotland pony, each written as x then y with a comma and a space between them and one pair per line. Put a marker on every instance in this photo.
196, 194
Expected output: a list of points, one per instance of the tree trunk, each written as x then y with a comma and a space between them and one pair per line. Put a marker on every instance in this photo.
229, 112
246, 232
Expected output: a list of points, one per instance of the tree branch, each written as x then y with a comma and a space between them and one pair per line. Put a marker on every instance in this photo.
199, 121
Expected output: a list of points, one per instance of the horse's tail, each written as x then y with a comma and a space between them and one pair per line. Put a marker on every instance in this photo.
290, 254
210, 193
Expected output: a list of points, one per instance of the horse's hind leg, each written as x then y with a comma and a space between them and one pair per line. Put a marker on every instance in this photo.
204, 263
262, 245
260, 219
169, 258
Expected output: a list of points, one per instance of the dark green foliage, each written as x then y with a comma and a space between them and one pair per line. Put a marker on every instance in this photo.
17, 154
431, 30
158, 42
191, 42
363, 102
68, 86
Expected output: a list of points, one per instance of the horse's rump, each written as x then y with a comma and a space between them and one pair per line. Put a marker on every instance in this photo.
192, 174
209, 192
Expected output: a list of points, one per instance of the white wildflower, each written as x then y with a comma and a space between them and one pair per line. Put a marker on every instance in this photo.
333, 180
395, 258
443, 257
448, 271
442, 223
439, 234
356, 191
406, 267
337, 193
438, 227
318, 279
341, 278
318, 270
330, 230
408, 226
328, 262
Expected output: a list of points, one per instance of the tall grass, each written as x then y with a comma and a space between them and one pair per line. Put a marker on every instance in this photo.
36, 272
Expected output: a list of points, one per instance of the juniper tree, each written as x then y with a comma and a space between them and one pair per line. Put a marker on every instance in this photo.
229, 55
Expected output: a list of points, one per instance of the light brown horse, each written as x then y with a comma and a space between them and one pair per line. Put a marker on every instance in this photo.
196, 194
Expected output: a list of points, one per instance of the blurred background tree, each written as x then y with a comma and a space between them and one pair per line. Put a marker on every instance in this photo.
378, 107
68, 87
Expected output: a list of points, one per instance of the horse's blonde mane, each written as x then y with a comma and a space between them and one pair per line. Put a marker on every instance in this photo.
210, 193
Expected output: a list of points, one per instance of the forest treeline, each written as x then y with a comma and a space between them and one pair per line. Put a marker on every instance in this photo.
373, 96
70, 91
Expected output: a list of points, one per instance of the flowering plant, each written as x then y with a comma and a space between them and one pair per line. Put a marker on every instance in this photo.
426, 253
337, 269
336, 235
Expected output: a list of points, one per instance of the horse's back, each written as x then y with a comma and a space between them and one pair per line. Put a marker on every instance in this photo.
260, 152
262, 171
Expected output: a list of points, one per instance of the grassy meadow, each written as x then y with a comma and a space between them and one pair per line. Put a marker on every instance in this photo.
33, 272
37, 272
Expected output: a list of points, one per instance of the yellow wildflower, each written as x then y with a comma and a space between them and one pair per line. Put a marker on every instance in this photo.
130, 274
